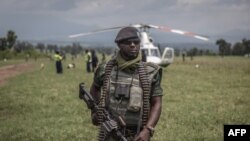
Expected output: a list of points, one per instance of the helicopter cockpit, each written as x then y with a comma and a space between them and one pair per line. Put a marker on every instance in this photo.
153, 55
151, 52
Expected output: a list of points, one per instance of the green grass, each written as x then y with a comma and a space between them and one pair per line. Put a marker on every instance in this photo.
43, 105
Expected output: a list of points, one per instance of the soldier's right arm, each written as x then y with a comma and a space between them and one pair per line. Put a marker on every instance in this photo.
95, 89
95, 92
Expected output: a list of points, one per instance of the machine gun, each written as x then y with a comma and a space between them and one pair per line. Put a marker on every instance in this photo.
109, 124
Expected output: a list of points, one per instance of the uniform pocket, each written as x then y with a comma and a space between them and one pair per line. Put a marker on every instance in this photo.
135, 101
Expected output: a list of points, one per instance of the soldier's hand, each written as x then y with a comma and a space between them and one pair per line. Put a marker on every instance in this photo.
94, 118
143, 135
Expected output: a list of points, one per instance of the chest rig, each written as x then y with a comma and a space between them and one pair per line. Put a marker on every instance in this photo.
128, 89
125, 96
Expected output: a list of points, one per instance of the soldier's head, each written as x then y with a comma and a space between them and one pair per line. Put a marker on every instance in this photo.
128, 40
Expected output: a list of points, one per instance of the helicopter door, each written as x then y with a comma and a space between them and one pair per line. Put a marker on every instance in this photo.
167, 56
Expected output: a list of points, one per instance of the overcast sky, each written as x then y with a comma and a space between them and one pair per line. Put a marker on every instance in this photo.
56, 19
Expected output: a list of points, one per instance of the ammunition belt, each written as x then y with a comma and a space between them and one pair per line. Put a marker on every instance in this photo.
146, 92
101, 106
102, 134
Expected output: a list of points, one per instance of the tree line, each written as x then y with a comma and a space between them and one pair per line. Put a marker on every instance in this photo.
10, 46
195, 51
238, 49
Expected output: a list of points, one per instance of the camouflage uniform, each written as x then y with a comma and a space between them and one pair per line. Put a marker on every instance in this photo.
125, 94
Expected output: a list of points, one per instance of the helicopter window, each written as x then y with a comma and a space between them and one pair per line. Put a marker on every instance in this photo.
168, 54
155, 52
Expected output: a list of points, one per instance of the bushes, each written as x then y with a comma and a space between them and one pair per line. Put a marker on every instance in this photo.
8, 54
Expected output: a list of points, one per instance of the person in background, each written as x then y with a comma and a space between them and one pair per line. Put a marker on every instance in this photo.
103, 58
58, 59
27, 56
94, 60
88, 60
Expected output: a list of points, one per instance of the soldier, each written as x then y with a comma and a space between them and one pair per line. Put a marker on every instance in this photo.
129, 89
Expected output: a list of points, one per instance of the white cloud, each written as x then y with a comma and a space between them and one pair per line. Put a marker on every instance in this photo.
195, 2
202, 16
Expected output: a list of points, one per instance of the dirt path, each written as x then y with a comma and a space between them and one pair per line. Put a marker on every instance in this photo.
7, 72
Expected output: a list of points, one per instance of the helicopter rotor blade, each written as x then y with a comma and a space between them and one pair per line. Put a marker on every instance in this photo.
136, 25
95, 31
145, 26
153, 26
177, 31
186, 33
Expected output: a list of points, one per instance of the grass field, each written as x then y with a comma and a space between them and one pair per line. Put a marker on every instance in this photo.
10, 62
197, 102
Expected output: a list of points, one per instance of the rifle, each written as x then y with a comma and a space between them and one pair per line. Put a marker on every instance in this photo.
109, 124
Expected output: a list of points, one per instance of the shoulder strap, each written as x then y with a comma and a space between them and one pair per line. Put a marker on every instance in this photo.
101, 105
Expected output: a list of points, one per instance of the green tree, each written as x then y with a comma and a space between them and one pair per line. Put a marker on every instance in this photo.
238, 49
41, 47
224, 47
228, 49
3, 44
246, 44
201, 52
75, 49
11, 38
23, 46
52, 48
207, 52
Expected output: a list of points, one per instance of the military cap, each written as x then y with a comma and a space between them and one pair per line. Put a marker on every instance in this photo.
127, 33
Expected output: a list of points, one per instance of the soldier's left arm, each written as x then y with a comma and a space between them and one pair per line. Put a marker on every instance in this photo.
155, 111
154, 116
156, 100
155, 108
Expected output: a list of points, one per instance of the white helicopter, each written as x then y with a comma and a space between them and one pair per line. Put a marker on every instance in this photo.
151, 51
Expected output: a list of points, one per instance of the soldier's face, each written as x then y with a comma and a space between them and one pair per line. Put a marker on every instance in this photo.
129, 49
